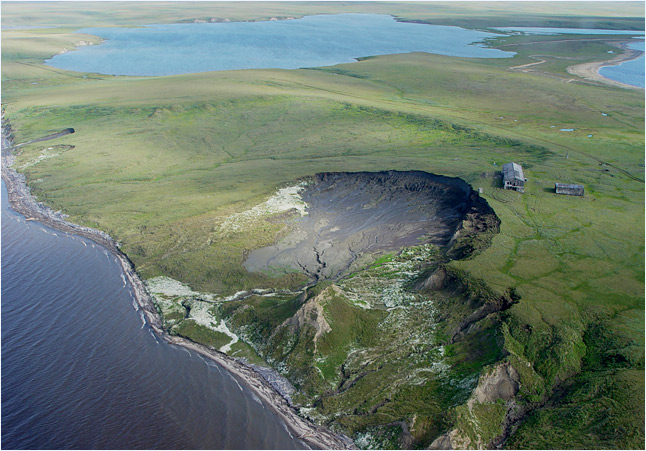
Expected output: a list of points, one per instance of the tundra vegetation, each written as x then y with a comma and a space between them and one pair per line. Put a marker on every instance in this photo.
531, 335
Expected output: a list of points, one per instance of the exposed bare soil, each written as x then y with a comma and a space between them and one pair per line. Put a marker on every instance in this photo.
351, 215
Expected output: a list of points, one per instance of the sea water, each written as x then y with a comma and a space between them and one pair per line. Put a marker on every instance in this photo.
81, 370
312, 41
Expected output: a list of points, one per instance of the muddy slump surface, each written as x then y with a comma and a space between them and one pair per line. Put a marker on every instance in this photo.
351, 216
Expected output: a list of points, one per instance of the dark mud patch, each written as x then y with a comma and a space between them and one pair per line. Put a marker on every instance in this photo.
353, 216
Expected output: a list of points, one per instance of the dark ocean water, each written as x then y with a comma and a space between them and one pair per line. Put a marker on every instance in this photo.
286, 44
80, 369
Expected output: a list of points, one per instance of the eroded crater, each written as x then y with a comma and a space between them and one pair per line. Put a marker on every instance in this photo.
353, 216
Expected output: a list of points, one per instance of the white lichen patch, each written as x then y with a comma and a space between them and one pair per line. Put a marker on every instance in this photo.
285, 199
45, 154
173, 312
201, 313
312, 413
366, 440
167, 287
372, 290
170, 294
385, 285
395, 295
233, 297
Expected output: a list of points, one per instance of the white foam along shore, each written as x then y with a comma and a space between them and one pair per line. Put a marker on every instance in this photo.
591, 71
24, 203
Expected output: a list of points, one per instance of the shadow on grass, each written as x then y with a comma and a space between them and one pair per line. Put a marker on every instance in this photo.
496, 182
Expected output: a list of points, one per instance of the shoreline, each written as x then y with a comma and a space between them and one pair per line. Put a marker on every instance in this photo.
590, 71
21, 201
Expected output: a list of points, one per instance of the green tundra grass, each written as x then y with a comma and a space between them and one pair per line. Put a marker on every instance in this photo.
160, 162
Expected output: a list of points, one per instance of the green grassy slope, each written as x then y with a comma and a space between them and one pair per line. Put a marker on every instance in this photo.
161, 173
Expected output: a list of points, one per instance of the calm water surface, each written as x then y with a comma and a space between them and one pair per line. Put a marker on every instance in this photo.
81, 370
286, 44
631, 72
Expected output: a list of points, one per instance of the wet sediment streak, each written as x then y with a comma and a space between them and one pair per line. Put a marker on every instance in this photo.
351, 216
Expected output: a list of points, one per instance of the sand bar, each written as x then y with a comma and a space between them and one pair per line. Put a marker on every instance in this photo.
590, 71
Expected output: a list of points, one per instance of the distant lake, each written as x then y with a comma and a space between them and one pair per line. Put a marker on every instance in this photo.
631, 72
312, 41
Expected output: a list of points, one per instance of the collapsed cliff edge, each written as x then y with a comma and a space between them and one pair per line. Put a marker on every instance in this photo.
354, 215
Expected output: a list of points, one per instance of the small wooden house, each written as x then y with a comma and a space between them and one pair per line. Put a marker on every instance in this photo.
568, 189
513, 177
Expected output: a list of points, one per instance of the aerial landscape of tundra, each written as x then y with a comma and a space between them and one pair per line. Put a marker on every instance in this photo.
323, 225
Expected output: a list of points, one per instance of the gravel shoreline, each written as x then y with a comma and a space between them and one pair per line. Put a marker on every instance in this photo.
24, 203
590, 71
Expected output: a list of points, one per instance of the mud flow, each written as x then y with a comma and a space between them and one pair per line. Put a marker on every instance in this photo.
354, 215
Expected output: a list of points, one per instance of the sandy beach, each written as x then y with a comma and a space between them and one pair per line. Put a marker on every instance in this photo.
590, 71
24, 203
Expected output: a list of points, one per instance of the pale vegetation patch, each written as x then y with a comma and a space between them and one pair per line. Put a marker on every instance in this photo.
384, 284
45, 154
170, 295
202, 314
168, 287
284, 200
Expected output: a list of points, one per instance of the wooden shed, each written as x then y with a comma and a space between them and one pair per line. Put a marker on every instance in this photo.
568, 189
513, 177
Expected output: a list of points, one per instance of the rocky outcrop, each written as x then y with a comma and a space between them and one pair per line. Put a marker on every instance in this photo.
478, 302
500, 383
489, 306
479, 225
311, 314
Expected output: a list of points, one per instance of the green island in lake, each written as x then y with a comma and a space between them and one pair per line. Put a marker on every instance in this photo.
408, 251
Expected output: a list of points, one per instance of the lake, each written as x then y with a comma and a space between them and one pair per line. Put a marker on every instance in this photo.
630, 72
81, 370
312, 41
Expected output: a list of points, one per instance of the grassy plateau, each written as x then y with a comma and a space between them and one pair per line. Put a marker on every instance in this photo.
163, 163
